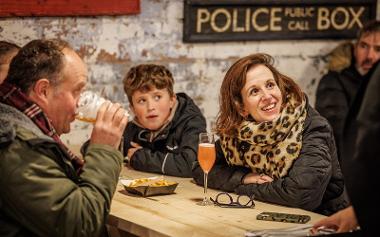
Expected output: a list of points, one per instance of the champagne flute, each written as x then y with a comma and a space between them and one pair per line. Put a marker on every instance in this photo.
206, 158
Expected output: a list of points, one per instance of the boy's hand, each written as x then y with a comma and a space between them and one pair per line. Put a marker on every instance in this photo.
111, 120
131, 151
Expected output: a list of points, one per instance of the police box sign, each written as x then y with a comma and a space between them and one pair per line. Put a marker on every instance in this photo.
237, 20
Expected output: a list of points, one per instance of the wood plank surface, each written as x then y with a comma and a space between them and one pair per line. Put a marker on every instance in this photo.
178, 215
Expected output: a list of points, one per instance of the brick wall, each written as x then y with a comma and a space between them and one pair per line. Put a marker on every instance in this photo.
111, 45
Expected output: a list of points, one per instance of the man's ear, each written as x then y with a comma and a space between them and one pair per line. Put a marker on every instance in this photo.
39, 93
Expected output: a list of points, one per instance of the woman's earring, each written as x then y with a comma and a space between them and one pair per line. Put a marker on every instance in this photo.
244, 114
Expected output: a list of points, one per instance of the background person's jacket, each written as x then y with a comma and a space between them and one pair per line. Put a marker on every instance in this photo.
361, 151
314, 182
41, 194
174, 149
337, 89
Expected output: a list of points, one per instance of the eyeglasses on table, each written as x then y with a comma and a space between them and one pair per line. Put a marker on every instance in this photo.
225, 199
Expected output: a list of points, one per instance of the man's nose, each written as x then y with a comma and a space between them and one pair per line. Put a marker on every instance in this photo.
77, 103
372, 54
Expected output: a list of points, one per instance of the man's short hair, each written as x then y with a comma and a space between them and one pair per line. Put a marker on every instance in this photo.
369, 28
5, 49
37, 59
145, 77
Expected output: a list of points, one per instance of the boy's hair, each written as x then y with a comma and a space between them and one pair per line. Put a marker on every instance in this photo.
5, 49
146, 77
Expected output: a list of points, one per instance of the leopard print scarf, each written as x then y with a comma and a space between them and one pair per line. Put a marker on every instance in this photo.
268, 147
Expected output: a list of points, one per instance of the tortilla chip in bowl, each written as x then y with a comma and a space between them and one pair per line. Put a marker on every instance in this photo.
149, 186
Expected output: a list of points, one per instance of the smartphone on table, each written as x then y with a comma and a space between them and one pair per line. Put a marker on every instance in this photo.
283, 217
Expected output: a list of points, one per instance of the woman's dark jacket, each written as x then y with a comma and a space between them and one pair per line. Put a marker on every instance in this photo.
174, 150
314, 182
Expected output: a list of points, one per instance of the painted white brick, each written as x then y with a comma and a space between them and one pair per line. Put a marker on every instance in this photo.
111, 45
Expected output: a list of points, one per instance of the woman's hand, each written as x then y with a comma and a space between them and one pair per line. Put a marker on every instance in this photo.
342, 221
254, 178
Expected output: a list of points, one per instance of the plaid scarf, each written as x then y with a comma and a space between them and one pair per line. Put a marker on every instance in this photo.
13, 96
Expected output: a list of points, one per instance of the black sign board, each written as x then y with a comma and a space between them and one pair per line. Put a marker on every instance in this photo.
238, 20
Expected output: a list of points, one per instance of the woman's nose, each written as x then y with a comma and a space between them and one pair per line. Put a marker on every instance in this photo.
266, 94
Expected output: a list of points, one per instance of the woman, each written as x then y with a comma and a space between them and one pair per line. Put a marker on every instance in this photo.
273, 144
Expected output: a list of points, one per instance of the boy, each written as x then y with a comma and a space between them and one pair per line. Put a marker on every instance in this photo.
163, 137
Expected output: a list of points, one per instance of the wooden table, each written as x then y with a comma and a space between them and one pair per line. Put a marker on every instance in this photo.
178, 215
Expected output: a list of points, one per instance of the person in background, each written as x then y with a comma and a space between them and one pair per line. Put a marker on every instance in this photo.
163, 136
7, 52
273, 144
361, 136
46, 190
347, 68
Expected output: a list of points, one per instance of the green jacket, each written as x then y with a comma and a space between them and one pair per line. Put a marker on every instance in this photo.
41, 195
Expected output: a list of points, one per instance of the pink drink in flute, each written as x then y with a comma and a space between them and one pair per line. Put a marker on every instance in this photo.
206, 156
206, 159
